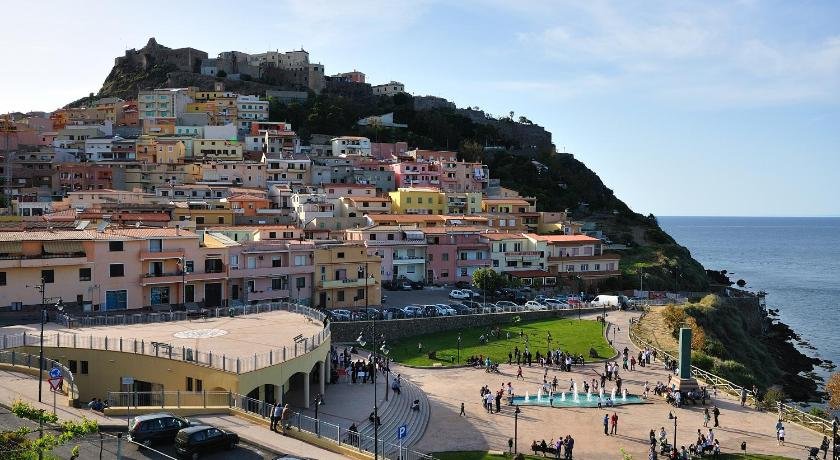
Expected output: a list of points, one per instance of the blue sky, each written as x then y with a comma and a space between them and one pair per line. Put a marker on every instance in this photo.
682, 108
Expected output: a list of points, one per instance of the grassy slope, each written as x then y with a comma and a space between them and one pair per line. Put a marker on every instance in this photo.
568, 334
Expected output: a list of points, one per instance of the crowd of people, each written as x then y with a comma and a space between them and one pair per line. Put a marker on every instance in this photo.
563, 447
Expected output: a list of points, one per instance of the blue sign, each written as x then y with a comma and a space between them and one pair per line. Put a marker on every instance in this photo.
402, 431
55, 373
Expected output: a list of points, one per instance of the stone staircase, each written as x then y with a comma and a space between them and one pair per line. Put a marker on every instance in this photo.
396, 412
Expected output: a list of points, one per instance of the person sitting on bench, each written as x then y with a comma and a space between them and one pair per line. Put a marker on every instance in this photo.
415, 405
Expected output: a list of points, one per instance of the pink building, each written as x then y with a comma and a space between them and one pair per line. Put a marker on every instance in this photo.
453, 254
388, 151
416, 174
272, 271
402, 249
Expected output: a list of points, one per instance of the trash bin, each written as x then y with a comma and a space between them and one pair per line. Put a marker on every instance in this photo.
231, 312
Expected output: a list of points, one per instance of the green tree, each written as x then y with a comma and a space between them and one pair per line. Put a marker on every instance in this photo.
488, 280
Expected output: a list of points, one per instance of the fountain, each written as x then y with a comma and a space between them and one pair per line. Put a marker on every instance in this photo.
574, 389
612, 394
539, 394
527, 396
563, 396
624, 394
601, 392
588, 396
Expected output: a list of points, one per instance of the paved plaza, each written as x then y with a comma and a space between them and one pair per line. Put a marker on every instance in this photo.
242, 335
448, 388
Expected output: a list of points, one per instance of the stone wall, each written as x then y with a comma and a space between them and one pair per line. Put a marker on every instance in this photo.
402, 328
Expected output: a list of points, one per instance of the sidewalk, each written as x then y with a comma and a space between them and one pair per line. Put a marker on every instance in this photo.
14, 386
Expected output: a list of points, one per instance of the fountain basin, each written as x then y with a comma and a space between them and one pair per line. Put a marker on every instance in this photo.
570, 401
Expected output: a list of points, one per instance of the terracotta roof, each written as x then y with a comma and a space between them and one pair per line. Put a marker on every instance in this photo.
246, 197
560, 239
519, 201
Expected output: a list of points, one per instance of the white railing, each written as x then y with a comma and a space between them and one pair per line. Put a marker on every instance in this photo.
302, 423
791, 413
17, 358
238, 364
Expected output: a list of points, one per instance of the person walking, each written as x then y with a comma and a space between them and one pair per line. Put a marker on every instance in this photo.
519, 373
607, 424
276, 411
781, 435
614, 423
284, 418
716, 413
510, 358
462, 414
569, 447
706, 417
499, 401
743, 396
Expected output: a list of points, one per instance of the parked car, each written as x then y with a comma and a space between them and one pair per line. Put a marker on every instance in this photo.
393, 313
507, 305
413, 311
490, 307
430, 310
156, 428
373, 313
605, 301
445, 310
195, 440
460, 308
358, 315
556, 304
472, 305
459, 294
339, 315
533, 305
472, 293
416, 285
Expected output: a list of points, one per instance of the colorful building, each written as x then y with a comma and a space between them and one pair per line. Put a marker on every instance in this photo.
346, 276
417, 200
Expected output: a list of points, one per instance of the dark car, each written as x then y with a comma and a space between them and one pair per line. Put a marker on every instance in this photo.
393, 313
156, 428
463, 285
460, 308
474, 307
416, 285
195, 440
373, 313
430, 310
358, 315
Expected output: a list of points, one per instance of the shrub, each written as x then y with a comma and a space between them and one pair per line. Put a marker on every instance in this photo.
702, 360
771, 399
734, 371
819, 412
674, 317
715, 347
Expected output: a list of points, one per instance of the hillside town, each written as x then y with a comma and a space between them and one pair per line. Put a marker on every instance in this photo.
190, 196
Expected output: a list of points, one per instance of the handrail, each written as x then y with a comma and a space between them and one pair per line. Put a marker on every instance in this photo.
17, 358
240, 403
236, 365
792, 413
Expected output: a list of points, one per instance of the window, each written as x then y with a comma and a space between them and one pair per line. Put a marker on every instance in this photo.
48, 276
511, 263
277, 284
73, 365
155, 245
251, 262
189, 293
159, 295
445, 256
213, 266
597, 267
189, 384
584, 267
272, 235
288, 235
199, 385
340, 296
3, 278
340, 255
252, 286
300, 260
84, 275
372, 237
189, 266
390, 236
117, 270
115, 246
199, 220
221, 219
234, 261
300, 282
464, 271
84, 367
276, 262
360, 294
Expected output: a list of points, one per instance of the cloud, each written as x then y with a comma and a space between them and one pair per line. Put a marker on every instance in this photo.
696, 54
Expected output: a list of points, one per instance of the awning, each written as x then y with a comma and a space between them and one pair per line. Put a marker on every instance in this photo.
414, 235
63, 247
10, 247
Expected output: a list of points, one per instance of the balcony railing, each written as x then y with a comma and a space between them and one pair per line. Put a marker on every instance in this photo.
347, 283
170, 254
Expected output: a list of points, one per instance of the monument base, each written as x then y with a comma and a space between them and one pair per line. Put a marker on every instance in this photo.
685, 385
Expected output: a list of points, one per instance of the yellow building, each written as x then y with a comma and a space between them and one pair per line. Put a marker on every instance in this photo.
463, 202
340, 279
217, 149
418, 201
170, 151
204, 215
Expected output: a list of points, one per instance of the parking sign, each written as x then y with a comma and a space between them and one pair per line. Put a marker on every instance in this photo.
402, 431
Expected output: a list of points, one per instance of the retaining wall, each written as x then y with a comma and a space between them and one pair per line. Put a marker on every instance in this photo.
395, 329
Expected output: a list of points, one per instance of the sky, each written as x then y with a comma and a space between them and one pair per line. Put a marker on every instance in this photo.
683, 108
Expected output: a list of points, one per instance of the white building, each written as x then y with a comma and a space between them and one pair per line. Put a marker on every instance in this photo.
389, 89
350, 146
99, 148
250, 109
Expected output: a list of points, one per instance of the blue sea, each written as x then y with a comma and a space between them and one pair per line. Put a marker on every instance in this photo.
795, 260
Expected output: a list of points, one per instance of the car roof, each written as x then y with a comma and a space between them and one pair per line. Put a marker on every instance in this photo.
193, 429
144, 417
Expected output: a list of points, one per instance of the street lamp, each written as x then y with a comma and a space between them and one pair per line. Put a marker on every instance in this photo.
459, 348
319, 399
42, 288
373, 376
673, 417
548, 339
516, 429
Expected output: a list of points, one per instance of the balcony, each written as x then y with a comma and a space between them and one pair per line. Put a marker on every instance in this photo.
523, 255
179, 277
473, 262
160, 255
347, 283
48, 260
406, 260
264, 272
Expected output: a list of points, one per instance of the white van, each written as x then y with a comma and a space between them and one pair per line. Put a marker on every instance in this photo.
605, 301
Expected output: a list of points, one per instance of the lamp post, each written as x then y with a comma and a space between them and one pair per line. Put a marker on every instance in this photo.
373, 376
459, 348
319, 399
516, 429
42, 288
548, 339
673, 417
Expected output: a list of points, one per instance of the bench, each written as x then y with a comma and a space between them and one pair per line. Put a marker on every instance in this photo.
165, 346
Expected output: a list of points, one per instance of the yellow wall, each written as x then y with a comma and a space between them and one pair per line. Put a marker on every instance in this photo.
404, 200
327, 260
210, 216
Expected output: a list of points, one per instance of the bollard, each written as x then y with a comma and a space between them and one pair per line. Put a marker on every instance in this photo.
121, 344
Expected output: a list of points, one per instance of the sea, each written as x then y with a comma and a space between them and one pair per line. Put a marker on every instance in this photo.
796, 260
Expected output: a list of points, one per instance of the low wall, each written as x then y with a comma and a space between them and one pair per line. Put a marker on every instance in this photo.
395, 329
